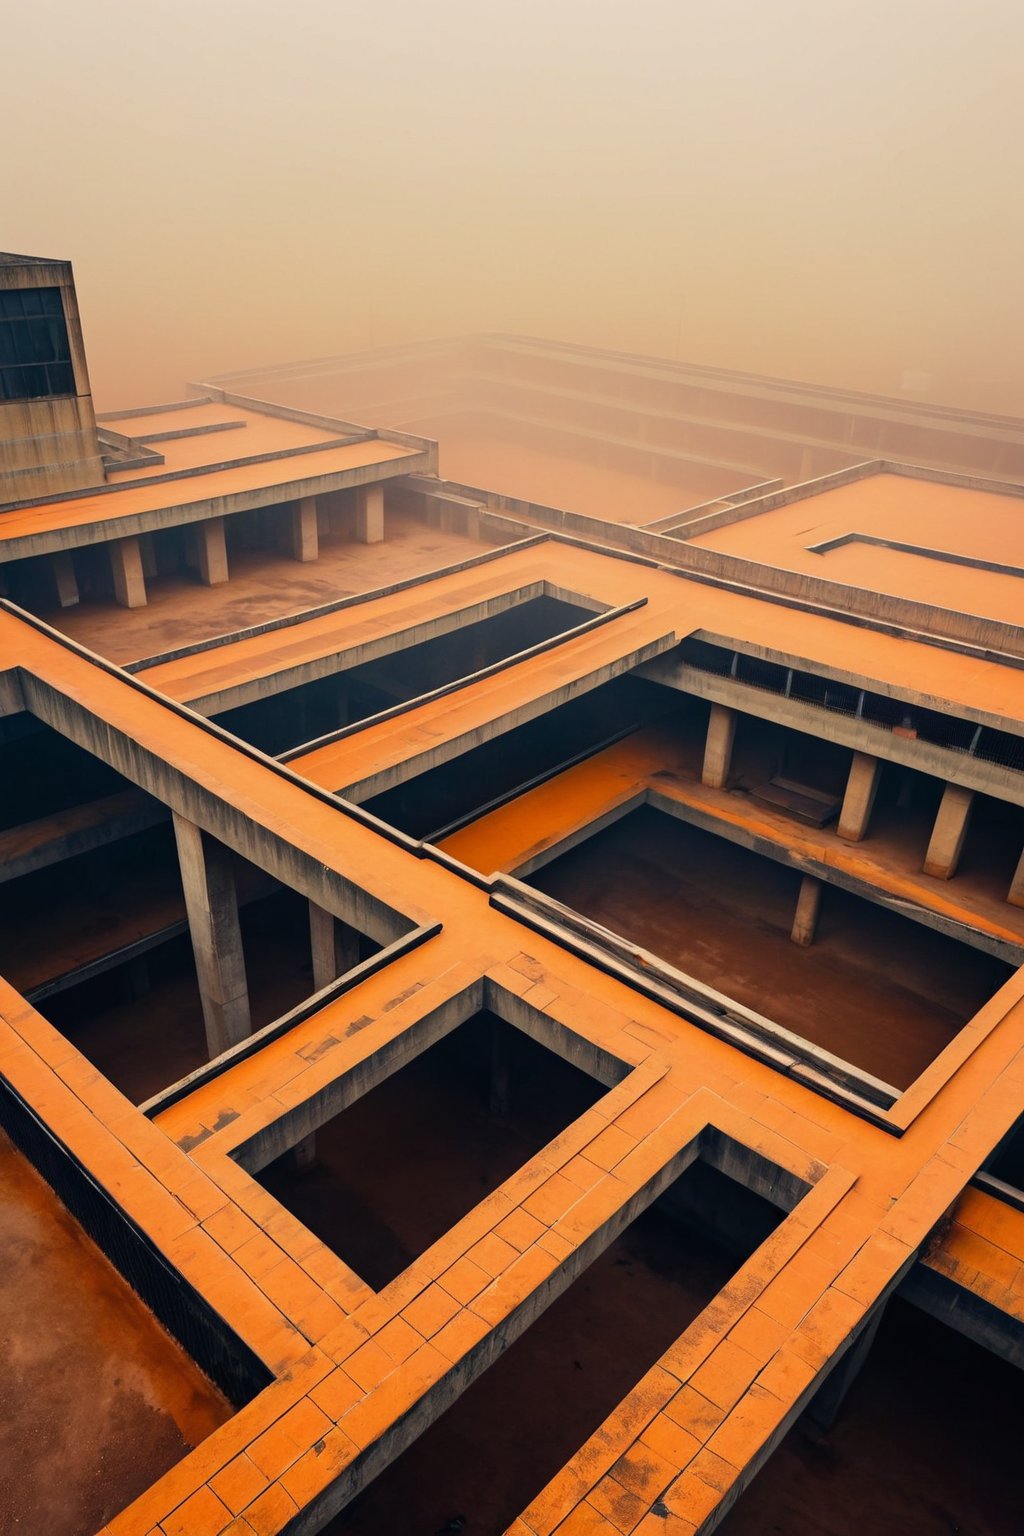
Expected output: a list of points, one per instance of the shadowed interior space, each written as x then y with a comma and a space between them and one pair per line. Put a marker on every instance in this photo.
96, 1400
141, 1021
878, 990
927, 1441
399, 1167
433, 803
315, 709
508, 1435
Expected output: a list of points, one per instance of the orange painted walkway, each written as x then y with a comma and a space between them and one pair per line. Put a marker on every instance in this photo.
348, 1364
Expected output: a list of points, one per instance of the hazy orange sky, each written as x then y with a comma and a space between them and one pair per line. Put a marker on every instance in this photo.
797, 187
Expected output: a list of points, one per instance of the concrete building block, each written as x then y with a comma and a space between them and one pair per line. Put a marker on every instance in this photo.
859, 800
370, 514
65, 579
808, 906
948, 834
718, 747
211, 902
304, 536
211, 552
126, 568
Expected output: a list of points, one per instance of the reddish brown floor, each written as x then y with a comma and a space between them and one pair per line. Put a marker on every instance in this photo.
518, 1424
926, 1444
875, 989
96, 1401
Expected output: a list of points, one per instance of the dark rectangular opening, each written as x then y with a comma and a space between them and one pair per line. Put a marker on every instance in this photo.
875, 989
315, 709
431, 803
927, 1441
399, 1167
515, 1427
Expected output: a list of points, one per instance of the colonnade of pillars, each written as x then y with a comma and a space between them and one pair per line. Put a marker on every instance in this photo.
944, 846
131, 558
211, 905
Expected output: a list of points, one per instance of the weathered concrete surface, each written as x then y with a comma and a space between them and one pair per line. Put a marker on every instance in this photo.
96, 1401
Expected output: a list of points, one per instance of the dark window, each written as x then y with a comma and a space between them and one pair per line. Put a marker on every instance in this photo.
35, 356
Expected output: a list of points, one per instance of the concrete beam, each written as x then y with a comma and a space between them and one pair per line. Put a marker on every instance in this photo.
808, 905
948, 834
1015, 895
304, 543
126, 568
718, 747
212, 553
370, 514
211, 902
861, 735
334, 946
64, 579
859, 800
823, 1410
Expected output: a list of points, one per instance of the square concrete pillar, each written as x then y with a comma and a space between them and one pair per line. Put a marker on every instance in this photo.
718, 747
64, 578
949, 832
147, 549
808, 905
304, 539
212, 552
211, 902
334, 946
370, 514
859, 800
126, 568
1015, 895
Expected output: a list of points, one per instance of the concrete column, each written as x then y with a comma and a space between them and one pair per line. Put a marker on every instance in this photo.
305, 544
211, 902
211, 552
718, 747
65, 579
370, 514
334, 946
859, 800
949, 832
808, 904
147, 549
824, 1407
1015, 895
126, 566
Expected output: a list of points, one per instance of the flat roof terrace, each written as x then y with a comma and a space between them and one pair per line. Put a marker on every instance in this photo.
210, 473
952, 546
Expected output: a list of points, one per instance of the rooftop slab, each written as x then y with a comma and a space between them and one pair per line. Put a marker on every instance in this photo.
962, 548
